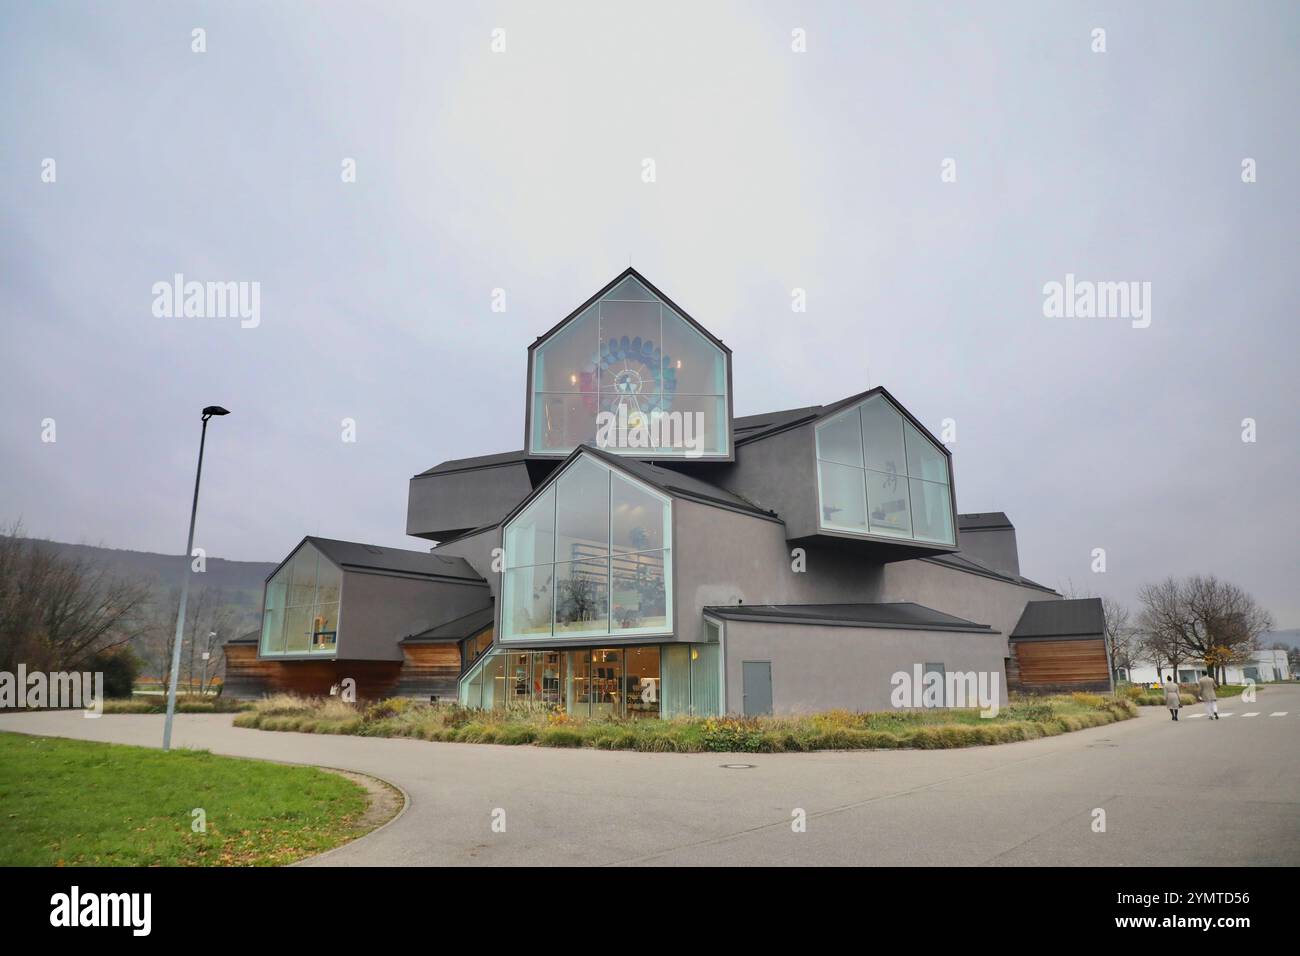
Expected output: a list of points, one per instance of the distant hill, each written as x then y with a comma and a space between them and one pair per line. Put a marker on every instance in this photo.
241, 581
1289, 637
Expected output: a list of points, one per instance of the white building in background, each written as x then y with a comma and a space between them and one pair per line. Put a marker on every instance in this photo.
1265, 666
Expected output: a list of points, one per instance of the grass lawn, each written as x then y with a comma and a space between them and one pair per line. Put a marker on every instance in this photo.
1020, 719
77, 803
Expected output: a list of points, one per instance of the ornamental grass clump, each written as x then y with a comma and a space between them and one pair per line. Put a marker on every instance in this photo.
1023, 718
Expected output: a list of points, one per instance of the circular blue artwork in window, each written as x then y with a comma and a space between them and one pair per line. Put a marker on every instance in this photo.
630, 373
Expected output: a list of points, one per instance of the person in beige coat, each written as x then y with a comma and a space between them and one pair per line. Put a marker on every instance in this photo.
1208, 697
1173, 699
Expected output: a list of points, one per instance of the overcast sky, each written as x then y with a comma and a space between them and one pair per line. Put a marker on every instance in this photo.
775, 170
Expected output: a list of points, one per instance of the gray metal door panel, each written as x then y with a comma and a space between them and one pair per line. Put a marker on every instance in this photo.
756, 682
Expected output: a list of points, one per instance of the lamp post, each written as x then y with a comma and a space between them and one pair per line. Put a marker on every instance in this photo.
209, 412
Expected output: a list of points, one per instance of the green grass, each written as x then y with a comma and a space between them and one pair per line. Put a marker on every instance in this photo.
77, 803
1022, 719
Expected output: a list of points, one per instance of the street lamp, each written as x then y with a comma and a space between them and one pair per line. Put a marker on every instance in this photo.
210, 412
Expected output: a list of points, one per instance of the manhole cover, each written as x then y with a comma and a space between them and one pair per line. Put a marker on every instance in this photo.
738, 766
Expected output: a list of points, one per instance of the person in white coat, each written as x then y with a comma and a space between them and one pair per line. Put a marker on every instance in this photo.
1208, 697
1173, 698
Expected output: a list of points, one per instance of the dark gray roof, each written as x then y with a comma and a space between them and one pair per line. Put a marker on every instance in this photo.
481, 461
462, 627
1074, 618
964, 562
753, 427
673, 482
984, 521
629, 271
749, 426
903, 614
761, 426
248, 637
371, 557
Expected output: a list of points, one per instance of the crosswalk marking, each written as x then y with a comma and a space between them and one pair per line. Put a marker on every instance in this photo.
1278, 713
1253, 713
1194, 716
1228, 714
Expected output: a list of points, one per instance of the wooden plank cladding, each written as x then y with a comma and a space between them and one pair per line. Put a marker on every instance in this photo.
1074, 664
248, 676
430, 670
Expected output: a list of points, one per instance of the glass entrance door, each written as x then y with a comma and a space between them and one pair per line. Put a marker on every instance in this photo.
607, 697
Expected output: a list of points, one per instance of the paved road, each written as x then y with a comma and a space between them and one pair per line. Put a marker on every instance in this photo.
1195, 792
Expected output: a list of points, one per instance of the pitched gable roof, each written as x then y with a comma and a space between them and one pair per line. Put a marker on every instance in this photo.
1063, 620
475, 622
626, 273
758, 427
667, 481
371, 557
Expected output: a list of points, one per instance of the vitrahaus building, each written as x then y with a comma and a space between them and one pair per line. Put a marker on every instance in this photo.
647, 553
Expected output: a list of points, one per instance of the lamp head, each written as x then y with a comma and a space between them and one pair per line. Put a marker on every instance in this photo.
213, 410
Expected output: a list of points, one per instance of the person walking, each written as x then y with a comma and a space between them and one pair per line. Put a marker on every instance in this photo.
1173, 698
1208, 696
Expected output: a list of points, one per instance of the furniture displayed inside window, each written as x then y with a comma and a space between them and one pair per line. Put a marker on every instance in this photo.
590, 555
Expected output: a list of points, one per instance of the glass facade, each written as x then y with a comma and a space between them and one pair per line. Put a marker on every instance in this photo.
471, 649
591, 555
300, 612
692, 680
634, 682
632, 357
877, 474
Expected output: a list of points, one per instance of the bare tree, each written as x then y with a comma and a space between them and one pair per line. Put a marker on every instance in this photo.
56, 612
1202, 618
210, 620
1122, 638
1164, 651
214, 622
1121, 635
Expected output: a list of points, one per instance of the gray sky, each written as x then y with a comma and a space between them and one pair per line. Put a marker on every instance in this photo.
522, 170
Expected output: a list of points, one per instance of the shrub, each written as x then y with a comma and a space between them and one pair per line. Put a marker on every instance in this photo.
560, 737
119, 667
1024, 718
733, 735
388, 707
1031, 711
477, 733
516, 734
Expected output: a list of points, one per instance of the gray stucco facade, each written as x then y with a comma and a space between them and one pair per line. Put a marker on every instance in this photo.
866, 659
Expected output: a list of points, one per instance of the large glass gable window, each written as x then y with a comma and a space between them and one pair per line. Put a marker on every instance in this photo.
300, 614
591, 555
632, 375
877, 474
